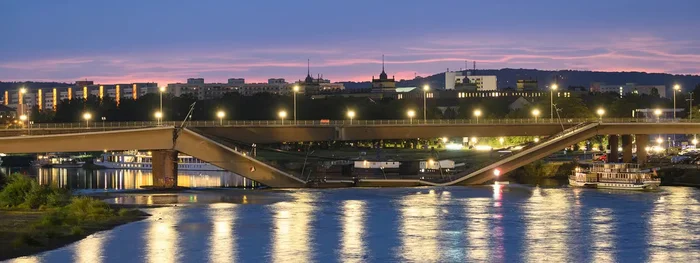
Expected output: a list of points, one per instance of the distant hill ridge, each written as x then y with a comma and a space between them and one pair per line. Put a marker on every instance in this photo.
507, 77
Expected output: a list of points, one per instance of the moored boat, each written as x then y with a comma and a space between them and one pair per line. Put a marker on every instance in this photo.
624, 176
136, 160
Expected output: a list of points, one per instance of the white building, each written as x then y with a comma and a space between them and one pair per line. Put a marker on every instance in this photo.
482, 82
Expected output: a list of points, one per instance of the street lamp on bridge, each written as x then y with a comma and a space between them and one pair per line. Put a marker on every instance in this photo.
221, 114
676, 88
351, 115
426, 88
657, 112
536, 113
159, 116
411, 114
87, 116
551, 101
477, 113
282, 114
600, 113
162, 90
23, 118
295, 89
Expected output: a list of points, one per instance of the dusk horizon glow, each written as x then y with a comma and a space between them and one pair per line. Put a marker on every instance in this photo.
131, 41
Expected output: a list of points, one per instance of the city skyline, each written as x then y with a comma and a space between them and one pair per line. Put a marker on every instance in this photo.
169, 43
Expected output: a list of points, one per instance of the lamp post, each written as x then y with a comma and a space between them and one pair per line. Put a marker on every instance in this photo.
162, 90
657, 112
295, 89
551, 101
103, 123
600, 113
221, 114
351, 115
282, 114
158, 115
536, 113
477, 113
411, 114
675, 89
23, 118
426, 88
87, 116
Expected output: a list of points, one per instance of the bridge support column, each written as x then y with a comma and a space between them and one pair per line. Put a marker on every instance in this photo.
614, 143
164, 168
642, 140
627, 148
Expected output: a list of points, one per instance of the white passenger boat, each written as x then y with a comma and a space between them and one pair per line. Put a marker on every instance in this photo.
136, 160
625, 176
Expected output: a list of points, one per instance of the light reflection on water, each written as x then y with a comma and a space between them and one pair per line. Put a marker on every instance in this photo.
124, 179
454, 224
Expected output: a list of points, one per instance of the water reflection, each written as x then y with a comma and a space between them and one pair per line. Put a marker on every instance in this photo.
353, 246
420, 220
162, 236
291, 237
222, 241
603, 230
477, 229
122, 179
673, 215
547, 220
480, 224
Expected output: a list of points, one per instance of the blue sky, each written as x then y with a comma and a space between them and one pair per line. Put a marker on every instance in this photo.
169, 41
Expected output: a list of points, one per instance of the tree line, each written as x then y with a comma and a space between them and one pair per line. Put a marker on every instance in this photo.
265, 106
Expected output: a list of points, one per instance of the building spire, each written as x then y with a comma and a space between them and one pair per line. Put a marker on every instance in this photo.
382, 62
308, 67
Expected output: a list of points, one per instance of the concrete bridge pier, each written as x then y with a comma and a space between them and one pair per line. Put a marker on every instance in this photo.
642, 140
626, 148
164, 168
614, 143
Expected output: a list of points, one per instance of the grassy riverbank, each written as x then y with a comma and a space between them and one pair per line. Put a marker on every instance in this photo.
38, 218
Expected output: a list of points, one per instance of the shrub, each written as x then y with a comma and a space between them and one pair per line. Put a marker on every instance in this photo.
22, 191
88, 209
16, 190
76, 231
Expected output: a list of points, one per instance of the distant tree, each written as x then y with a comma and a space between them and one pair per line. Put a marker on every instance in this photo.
654, 92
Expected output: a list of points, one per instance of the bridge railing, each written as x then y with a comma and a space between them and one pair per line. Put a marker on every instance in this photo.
344, 123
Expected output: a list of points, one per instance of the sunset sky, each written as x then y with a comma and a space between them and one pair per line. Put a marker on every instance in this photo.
169, 41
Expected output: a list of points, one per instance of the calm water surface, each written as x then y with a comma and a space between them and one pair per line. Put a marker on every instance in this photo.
454, 224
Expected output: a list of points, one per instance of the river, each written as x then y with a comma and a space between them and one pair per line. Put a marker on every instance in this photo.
513, 223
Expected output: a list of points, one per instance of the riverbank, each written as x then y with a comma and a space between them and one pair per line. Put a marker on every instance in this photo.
27, 232
680, 176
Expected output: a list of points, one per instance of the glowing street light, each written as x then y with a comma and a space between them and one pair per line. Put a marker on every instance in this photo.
536, 113
87, 116
501, 140
221, 114
411, 114
600, 113
551, 101
351, 115
477, 113
282, 114
659, 140
695, 141
657, 112
162, 90
158, 115
496, 172
426, 88
23, 118
295, 89
20, 99
444, 139
676, 88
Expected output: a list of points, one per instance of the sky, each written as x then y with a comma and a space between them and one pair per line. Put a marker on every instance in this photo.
168, 41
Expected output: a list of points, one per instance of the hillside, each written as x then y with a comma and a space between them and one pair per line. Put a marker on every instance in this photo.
507, 78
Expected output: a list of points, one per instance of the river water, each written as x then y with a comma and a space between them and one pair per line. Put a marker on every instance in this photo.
513, 223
